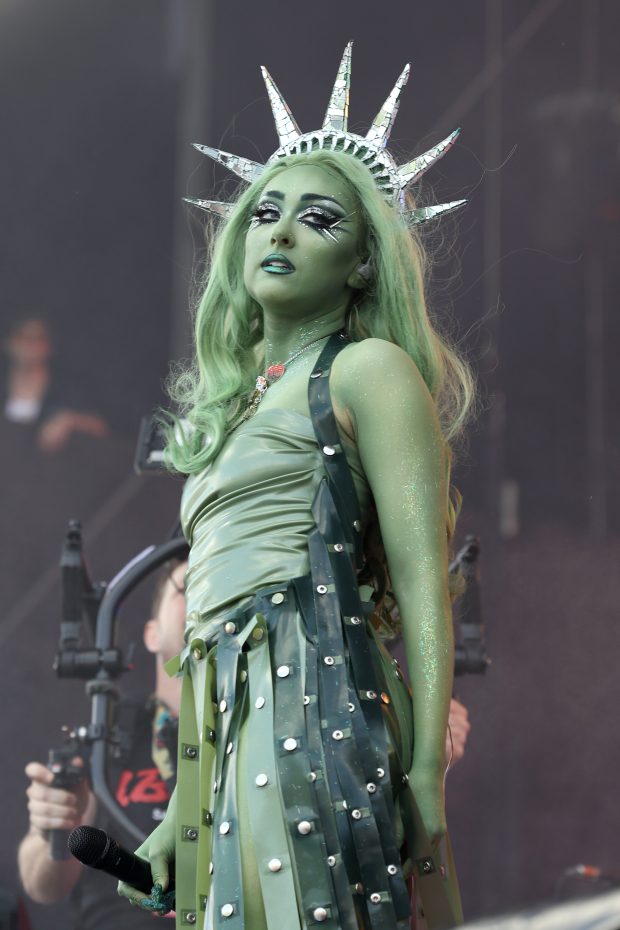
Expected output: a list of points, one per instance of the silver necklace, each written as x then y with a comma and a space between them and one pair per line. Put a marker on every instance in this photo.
273, 373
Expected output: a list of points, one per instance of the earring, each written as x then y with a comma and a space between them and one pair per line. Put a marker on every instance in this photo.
365, 272
351, 322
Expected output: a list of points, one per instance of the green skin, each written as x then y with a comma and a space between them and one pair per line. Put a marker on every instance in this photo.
381, 401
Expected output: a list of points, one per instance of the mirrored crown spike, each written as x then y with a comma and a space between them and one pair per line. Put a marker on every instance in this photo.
379, 132
337, 113
218, 207
242, 167
423, 214
390, 179
415, 168
286, 127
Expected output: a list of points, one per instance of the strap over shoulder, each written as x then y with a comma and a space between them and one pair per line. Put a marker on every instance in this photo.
337, 468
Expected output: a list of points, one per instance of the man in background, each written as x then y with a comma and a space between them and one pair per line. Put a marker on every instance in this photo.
30, 396
142, 781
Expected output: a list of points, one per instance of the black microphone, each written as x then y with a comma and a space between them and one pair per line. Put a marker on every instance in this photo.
96, 849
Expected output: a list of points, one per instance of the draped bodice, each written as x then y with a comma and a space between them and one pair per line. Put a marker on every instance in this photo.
247, 516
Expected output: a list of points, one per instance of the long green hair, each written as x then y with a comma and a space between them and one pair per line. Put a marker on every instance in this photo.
212, 393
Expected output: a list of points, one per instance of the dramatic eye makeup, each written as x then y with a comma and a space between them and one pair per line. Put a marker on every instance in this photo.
265, 213
321, 219
324, 221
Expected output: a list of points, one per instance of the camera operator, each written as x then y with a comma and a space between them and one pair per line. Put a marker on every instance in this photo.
142, 781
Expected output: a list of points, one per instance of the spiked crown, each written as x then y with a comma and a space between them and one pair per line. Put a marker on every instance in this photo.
391, 180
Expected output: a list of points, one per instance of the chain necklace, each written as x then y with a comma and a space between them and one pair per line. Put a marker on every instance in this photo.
273, 373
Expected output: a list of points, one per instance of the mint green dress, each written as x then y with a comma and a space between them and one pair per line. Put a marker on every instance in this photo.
296, 727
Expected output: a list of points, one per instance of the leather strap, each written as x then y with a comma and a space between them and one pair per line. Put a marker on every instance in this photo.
334, 460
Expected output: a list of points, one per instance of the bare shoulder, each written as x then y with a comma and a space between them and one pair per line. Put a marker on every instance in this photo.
372, 381
374, 364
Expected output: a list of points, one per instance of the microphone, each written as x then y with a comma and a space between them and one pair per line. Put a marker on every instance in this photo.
96, 849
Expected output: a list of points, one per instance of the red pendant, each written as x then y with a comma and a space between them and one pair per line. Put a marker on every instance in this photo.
275, 371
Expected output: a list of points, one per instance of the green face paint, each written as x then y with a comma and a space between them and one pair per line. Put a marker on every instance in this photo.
302, 245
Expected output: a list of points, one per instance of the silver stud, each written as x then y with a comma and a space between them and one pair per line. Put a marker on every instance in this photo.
359, 888
191, 752
356, 814
261, 780
329, 660
306, 700
229, 749
345, 806
375, 897
223, 706
392, 870
277, 598
192, 834
357, 525
283, 671
290, 744
215, 786
319, 914
329, 450
350, 707
337, 734
398, 675
227, 910
312, 776
321, 589
371, 695
274, 865
405, 779
197, 653
304, 827
224, 828
317, 373
371, 787
258, 633
259, 702
230, 627
243, 675
331, 861
380, 772
210, 868
190, 917
356, 621
338, 547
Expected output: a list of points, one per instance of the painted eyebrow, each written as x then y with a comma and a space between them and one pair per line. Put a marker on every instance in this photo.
280, 196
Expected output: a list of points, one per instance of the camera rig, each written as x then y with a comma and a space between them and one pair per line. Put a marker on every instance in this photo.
470, 650
95, 607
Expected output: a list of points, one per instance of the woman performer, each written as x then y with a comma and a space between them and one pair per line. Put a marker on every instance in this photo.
303, 797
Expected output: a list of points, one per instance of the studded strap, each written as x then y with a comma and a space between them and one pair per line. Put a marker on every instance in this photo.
326, 430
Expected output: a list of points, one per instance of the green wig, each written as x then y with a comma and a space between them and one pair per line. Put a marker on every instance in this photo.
212, 393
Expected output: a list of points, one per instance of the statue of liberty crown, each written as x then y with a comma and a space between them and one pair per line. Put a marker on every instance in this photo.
334, 136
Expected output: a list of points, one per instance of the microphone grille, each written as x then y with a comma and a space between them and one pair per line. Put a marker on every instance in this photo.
87, 844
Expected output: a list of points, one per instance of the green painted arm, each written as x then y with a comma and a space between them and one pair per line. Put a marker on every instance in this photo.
403, 453
158, 848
